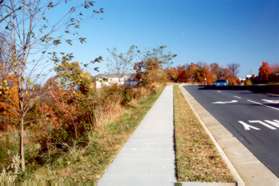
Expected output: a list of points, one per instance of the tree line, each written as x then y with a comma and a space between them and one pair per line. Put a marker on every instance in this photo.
267, 74
207, 74
204, 73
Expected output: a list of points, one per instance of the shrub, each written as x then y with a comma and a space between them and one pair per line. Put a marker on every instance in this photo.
8, 149
63, 117
65, 109
127, 96
148, 72
248, 82
110, 94
9, 175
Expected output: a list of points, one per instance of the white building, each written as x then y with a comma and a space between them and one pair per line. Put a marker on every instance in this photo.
111, 79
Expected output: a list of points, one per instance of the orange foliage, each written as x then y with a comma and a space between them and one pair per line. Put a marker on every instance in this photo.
202, 73
9, 102
66, 109
177, 74
264, 71
172, 74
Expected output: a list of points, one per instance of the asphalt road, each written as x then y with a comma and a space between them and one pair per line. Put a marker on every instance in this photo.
252, 118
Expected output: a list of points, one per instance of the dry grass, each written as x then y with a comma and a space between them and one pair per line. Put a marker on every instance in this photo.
196, 156
88, 164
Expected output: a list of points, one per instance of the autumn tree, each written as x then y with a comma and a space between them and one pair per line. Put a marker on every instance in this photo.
202, 74
72, 77
76, 98
228, 75
234, 68
33, 38
182, 73
177, 74
191, 72
148, 72
172, 74
150, 69
216, 71
264, 72
208, 75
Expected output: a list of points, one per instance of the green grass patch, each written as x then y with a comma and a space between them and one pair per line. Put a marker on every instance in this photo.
196, 156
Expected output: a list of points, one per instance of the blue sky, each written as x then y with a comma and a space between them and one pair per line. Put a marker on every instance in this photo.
223, 31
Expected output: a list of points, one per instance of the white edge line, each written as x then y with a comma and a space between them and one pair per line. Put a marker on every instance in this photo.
258, 103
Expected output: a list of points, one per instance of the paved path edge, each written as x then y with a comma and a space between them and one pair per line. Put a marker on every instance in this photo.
197, 109
133, 134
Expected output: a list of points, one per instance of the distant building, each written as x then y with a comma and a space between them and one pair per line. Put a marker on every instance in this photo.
111, 79
132, 81
249, 76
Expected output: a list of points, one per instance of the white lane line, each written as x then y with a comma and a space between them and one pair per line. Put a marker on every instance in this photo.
237, 97
271, 101
258, 103
225, 102
247, 126
275, 123
262, 123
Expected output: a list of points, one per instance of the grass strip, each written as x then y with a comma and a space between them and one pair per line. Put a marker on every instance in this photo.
196, 156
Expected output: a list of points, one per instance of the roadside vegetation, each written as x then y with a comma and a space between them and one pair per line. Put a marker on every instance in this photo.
72, 130
52, 115
88, 163
268, 74
196, 156
204, 73
207, 74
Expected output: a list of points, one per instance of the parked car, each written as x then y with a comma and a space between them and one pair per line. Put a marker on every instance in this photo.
221, 83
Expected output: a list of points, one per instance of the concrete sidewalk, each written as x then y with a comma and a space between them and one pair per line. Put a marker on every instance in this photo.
148, 157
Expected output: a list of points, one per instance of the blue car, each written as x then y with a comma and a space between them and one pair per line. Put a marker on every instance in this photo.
221, 83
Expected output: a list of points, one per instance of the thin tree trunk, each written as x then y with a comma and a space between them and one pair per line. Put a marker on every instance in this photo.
21, 131
76, 132
21, 144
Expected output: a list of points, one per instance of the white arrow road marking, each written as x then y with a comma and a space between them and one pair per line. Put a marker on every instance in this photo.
224, 102
271, 101
275, 123
274, 108
262, 123
247, 126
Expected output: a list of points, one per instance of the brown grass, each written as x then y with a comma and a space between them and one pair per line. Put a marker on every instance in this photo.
196, 156
89, 163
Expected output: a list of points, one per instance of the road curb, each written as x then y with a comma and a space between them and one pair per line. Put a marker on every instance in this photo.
244, 166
